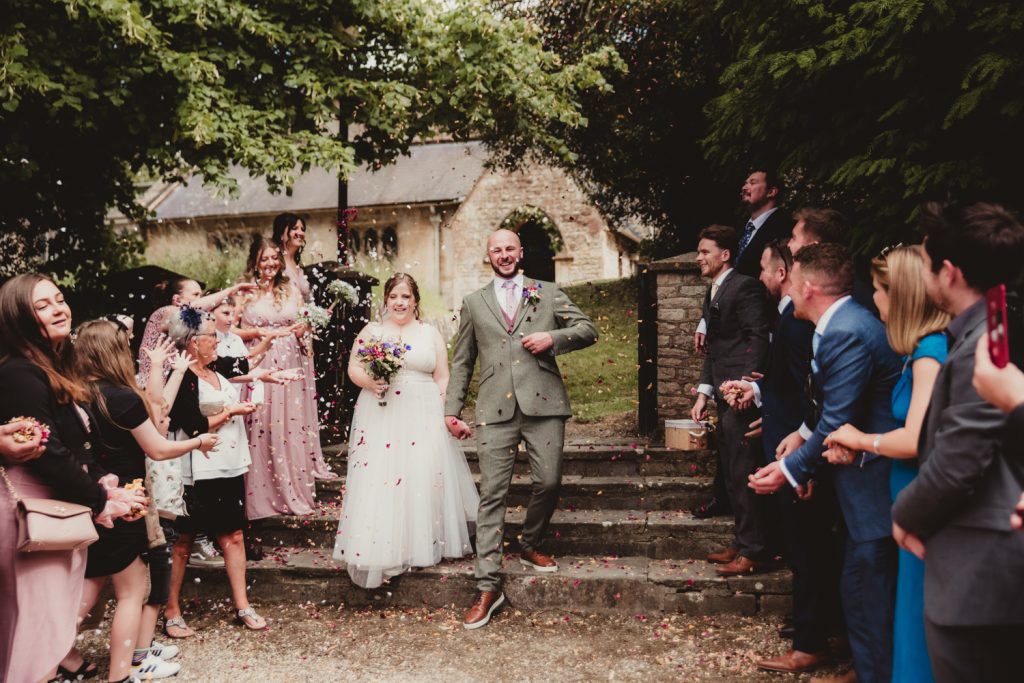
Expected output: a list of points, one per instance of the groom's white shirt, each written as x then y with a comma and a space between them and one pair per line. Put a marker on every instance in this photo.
502, 296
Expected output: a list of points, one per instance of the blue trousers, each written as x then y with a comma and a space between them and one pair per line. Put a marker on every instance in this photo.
868, 590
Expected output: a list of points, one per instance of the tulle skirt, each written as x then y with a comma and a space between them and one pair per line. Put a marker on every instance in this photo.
409, 499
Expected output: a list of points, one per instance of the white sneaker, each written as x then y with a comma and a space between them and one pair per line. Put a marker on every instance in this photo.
153, 668
204, 554
164, 652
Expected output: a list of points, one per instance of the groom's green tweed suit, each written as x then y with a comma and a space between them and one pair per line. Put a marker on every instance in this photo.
521, 398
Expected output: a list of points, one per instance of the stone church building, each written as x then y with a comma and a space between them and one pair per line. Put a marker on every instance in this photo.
428, 214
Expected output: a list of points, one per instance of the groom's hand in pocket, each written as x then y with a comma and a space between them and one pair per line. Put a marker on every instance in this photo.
457, 428
538, 342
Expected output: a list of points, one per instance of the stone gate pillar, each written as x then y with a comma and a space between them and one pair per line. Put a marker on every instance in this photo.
680, 293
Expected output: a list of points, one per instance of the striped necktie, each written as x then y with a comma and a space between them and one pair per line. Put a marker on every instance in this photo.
748, 234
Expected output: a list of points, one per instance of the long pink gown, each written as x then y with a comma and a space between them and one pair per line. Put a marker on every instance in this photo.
284, 432
39, 593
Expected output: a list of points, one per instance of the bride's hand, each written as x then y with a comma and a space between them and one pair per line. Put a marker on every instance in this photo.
380, 387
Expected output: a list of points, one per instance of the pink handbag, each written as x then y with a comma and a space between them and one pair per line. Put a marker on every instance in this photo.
45, 524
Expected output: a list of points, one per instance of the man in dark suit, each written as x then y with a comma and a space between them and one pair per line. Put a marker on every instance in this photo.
959, 506
737, 342
813, 225
802, 528
760, 195
853, 371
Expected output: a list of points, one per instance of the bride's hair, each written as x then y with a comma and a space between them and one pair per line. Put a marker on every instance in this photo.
393, 282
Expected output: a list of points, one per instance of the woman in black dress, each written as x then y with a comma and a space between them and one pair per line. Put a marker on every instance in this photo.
124, 436
39, 592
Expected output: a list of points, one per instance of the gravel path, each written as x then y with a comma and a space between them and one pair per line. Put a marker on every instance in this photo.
327, 643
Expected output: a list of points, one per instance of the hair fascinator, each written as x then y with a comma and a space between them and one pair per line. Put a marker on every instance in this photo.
191, 317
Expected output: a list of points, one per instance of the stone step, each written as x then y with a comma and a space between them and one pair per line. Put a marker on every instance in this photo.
645, 533
583, 584
603, 493
591, 460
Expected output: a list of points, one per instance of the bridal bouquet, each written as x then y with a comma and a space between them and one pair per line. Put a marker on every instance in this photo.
340, 289
382, 359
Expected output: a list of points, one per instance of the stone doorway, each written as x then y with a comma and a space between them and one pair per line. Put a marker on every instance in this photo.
540, 238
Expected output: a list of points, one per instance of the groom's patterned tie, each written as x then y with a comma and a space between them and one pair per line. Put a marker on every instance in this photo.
511, 304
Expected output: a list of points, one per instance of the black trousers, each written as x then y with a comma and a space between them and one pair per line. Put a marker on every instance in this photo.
972, 654
739, 457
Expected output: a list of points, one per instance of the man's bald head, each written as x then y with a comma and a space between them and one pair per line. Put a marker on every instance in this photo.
504, 251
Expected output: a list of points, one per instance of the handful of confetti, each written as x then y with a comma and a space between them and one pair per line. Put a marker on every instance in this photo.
382, 359
26, 434
137, 511
340, 289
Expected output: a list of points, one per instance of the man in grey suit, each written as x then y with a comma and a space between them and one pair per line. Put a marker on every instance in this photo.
735, 309
516, 326
959, 506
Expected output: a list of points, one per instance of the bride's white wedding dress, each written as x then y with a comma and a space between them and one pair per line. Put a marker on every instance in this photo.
409, 496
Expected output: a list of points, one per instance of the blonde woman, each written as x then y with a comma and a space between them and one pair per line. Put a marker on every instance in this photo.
914, 326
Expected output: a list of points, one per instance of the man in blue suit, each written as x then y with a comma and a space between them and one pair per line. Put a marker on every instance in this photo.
853, 371
801, 527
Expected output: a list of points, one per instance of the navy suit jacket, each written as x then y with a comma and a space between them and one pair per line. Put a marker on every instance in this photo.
778, 224
784, 399
856, 374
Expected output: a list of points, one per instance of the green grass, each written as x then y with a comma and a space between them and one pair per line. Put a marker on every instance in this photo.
601, 379
216, 270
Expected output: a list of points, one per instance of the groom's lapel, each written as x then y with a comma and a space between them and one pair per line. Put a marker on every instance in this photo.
492, 303
521, 312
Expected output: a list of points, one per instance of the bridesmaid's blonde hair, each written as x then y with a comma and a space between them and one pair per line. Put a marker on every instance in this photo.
912, 315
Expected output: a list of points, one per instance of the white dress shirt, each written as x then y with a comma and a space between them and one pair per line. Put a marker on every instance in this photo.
819, 329
707, 389
502, 294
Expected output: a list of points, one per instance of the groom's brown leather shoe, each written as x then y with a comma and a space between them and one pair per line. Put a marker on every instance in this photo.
538, 560
725, 556
484, 605
738, 567
793, 661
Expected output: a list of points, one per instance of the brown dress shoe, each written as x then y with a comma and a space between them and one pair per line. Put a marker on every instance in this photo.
538, 561
724, 557
741, 565
793, 661
485, 604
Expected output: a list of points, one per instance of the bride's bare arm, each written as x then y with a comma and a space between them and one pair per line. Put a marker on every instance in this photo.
441, 371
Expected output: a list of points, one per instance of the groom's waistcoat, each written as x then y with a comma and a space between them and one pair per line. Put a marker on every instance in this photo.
509, 374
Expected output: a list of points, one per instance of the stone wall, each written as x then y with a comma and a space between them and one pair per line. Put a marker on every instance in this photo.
680, 293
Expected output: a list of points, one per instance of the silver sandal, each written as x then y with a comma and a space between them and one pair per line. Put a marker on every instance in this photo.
179, 623
250, 612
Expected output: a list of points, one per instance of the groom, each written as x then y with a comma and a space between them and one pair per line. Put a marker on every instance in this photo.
516, 326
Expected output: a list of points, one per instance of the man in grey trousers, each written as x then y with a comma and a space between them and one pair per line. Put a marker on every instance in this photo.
516, 326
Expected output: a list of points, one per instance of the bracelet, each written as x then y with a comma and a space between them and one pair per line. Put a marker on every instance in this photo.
875, 444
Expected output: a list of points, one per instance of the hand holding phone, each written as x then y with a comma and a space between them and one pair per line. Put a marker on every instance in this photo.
998, 344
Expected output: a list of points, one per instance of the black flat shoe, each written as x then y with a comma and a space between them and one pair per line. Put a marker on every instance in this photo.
83, 672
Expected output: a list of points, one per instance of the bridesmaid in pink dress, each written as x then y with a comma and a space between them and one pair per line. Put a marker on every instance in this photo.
284, 432
290, 236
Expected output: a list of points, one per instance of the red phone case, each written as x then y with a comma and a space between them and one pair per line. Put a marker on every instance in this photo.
998, 344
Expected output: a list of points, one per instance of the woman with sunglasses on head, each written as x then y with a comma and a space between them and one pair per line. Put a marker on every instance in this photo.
125, 435
914, 326
40, 591
214, 488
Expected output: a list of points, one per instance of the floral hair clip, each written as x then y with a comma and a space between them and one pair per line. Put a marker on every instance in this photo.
191, 317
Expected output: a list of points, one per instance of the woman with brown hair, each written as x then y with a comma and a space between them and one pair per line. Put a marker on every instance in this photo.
124, 435
40, 591
914, 326
284, 432
410, 498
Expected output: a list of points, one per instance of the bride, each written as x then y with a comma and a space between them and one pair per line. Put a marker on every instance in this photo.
410, 498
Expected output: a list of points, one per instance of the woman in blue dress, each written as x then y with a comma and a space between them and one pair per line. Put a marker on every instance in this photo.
914, 326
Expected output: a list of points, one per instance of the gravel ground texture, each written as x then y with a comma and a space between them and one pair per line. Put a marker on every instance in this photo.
317, 643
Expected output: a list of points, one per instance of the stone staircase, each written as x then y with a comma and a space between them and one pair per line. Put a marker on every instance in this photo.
622, 536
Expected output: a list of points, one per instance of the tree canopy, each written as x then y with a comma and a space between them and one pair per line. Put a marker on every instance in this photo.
870, 106
94, 93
